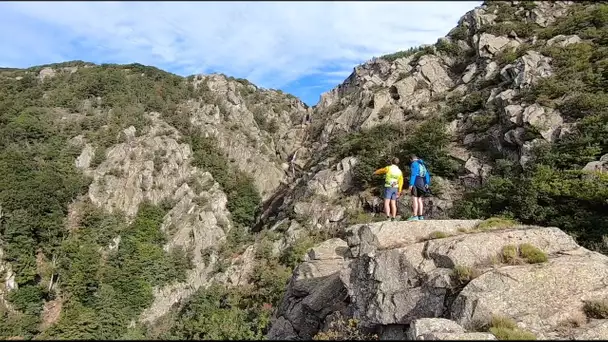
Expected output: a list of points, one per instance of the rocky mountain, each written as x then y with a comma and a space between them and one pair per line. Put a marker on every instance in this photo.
140, 204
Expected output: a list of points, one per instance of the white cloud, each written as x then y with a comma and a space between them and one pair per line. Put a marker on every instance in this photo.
270, 43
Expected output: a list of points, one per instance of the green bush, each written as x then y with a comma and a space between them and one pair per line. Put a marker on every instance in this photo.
18, 325
509, 255
213, 314
449, 48
522, 30
462, 275
293, 255
532, 254
460, 33
496, 223
27, 299
437, 235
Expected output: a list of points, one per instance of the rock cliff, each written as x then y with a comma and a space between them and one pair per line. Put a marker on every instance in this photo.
396, 277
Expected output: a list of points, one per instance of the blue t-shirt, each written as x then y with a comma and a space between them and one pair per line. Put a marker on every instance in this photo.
420, 175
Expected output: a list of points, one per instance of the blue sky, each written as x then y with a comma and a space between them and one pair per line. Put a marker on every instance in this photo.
303, 48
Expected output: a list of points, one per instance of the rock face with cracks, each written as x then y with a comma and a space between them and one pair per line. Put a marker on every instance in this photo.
400, 280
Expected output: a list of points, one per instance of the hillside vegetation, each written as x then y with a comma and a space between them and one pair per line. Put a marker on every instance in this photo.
552, 190
101, 292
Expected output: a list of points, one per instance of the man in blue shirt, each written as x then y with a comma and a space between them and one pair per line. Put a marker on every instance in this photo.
420, 179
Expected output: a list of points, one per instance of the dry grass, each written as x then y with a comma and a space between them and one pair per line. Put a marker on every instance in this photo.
462, 275
344, 329
437, 235
505, 328
510, 255
596, 309
567, 327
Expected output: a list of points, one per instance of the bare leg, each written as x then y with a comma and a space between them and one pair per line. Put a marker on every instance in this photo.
394, 208
414, 205
420, 206
387, 207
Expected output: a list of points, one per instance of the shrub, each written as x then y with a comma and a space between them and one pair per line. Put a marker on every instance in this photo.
342, 329
460, 33
294, 254
597, 309
437, 235
532, 254
496, 223
506, 329
27, 299
358, 216
462, 275
206, 313
98, 158
401, 54
509, 255
522, 30
506, 57
449, 48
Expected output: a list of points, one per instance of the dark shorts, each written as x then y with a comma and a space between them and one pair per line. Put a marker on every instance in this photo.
390, 193
418, 192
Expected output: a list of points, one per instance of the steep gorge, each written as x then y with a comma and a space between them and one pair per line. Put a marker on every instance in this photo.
129, 190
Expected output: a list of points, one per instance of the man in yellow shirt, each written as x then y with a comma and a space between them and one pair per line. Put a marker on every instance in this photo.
393, 183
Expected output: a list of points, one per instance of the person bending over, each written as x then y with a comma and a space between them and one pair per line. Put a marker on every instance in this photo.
393, 183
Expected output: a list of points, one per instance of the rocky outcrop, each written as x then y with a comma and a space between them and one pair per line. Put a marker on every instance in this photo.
546, 13
405, 279
151, 167
488, 45
598, 166
155, 167
330, 183
314, 291
540, 297
258, 130
380, 92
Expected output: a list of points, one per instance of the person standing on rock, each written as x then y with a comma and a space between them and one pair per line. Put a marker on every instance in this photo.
393, 183
420, 178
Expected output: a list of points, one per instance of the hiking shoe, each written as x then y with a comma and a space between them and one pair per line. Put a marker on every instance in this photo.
420, 217
413, 218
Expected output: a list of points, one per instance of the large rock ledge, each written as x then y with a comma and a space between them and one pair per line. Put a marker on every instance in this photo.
397, 279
